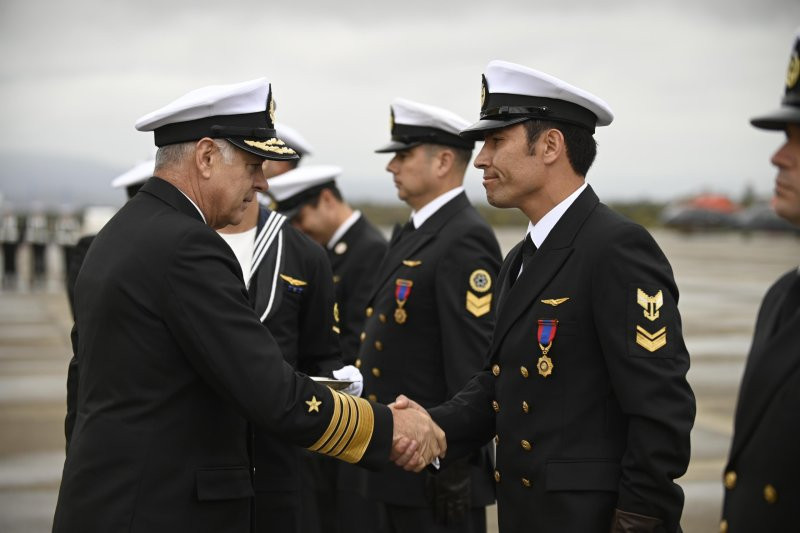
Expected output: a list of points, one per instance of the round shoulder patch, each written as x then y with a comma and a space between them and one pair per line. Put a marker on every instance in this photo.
480, 280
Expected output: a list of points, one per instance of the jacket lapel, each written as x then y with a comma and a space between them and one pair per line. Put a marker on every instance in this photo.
770, 363
416, 240
268, 258
544, 265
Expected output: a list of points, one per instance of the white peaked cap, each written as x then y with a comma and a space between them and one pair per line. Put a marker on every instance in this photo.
294, 139
513, 93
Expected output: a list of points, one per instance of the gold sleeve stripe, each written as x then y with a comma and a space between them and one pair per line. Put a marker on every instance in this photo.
337, 414
363, 435
347, 436
341, 429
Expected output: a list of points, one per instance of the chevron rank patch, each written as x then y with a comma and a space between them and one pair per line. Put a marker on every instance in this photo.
651, 321
479, 305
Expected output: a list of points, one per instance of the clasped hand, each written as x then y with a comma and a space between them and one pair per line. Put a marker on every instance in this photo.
417, 440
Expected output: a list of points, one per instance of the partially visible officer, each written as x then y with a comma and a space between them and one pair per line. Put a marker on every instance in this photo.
761, 490
294, 140
430, 314
290, 285
132, 180
585, 385
310, 197
10, 238
170, 360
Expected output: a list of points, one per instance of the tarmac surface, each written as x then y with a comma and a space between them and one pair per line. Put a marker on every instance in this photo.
722, 278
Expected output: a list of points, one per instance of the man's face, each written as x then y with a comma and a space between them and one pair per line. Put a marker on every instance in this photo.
312, 220
273, 168
511, 175
413, 174
787, 183
235, 185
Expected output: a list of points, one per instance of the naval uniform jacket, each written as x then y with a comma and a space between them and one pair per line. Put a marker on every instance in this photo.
609, 427
170, 362
761, 479
452, 260
353, 259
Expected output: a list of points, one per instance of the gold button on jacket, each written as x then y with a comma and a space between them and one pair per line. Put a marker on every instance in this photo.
770, 494
496, 370
730, 480
526, 445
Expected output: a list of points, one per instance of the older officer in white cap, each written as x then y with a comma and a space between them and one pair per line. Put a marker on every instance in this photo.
430, 313
585, 388
761, 491
170, 361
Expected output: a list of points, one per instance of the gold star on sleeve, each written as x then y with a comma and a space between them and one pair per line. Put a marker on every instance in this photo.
313, 404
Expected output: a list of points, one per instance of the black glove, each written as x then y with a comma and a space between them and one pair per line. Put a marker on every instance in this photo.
450, 493
623, 522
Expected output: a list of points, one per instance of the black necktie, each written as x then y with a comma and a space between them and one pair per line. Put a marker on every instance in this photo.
523, 259
406, 230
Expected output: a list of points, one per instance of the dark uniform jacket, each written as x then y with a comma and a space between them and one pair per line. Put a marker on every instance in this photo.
291, 289
609, 427
354, 258
169, 363
452, 261
762, 492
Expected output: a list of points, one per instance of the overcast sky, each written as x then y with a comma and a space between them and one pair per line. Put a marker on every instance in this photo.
682, 76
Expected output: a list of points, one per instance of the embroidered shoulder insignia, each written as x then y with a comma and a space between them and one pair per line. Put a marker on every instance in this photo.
651, 341
292, 281
651, 304
555, 301
480, 280
479, 305
313, 404
411, 263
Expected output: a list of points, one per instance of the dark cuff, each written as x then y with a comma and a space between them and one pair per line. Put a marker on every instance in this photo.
624, 522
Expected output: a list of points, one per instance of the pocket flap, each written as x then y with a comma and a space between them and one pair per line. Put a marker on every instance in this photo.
582, 475
223, 484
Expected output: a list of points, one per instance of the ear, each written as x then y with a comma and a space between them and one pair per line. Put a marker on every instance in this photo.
325, 196
205, 156
444, 162
552, 145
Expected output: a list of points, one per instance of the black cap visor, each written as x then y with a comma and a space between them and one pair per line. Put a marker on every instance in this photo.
777, 120
397, 146
478, 131
273, 148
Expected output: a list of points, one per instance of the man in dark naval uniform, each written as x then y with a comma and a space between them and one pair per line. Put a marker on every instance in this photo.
585, 389
170, 361
310, 197
761, 491
430, 314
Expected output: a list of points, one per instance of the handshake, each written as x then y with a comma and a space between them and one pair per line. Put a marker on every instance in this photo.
417, 440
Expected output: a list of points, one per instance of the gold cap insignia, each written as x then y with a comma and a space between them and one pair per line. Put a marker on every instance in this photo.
651, 304
271, 108
479, 305
411, 262
292, 281
313, 404
651, 341
555, 301
391, 119
484, 90
480, 280
793, 73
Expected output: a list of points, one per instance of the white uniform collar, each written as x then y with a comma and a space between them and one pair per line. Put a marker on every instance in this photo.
419, 217
541, 230
341, 230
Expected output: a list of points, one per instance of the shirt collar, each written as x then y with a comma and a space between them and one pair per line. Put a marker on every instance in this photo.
419, 217
541, 230
195, 206
342, 229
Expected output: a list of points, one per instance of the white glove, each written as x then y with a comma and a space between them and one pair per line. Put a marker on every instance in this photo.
351, 373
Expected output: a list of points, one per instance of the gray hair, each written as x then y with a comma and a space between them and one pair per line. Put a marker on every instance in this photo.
173, 154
